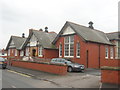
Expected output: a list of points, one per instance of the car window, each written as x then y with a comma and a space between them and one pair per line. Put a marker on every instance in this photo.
53, 60
2, 59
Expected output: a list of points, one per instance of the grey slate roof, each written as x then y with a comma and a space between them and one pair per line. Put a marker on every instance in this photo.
45, 39
18, 41
114, 35
87, 33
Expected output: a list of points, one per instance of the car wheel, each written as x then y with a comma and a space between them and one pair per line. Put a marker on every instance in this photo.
69, 69
82, 71
4, 68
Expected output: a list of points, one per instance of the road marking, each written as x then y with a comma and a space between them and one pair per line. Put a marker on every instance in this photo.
13, 86
19, 73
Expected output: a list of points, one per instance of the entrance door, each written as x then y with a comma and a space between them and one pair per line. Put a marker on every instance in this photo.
33, 52
87, 62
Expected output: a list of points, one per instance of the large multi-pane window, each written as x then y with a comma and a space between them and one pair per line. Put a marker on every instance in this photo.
106, 52
111, 52
78, 50
69, 46
60, 50
40, 51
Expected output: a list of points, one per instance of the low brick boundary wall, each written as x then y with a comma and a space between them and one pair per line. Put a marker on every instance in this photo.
50, 68
110, 75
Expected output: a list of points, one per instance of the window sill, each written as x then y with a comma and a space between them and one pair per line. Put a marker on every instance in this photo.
40, 56
111, 58
69, 56
77, 56
106, 58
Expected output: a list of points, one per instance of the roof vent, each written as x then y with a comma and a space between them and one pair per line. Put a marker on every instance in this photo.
91, 25
46, 29
23, 35
40, 29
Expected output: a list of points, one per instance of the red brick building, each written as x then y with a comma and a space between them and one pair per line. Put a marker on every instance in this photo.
39, 44
14, 47
84, 45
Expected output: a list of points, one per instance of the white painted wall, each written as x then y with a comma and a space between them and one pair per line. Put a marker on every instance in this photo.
12, 44
33, 41
68, 30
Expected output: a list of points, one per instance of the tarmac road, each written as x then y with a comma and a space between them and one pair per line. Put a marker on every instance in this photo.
14, 78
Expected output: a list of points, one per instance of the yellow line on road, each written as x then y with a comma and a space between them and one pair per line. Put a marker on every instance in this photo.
19, 73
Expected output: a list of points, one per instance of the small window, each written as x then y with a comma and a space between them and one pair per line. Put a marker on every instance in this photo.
40, 51
78, 50
60, 50
15, 52
106, 52
111, 52
21, 53
119, 52
8, 52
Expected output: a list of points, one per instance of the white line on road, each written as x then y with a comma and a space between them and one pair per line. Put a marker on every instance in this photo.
13, 86
18, 73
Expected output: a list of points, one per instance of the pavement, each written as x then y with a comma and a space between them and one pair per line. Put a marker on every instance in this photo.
89, 79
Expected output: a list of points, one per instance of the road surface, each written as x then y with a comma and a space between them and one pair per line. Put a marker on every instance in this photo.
13, 79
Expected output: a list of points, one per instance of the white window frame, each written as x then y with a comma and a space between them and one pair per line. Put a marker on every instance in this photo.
21, 53
60, 50
78, 50
106, 52
69, 43
111, 52
40, 51
8, 52
15, 52
27, 51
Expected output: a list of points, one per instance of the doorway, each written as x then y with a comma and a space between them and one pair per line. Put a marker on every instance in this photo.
33, 52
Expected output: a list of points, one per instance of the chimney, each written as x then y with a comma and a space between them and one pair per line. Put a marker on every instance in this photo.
23, 35
46, 29
30, 30
91, 25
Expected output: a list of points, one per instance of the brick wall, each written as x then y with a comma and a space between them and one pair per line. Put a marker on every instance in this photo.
55, 69
110, 76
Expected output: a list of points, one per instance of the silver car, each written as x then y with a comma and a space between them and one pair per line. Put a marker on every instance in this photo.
71, 66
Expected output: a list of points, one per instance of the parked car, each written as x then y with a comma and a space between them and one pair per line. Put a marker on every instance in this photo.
71, 65
3, 63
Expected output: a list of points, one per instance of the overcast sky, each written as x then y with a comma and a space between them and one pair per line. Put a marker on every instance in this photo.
18, 16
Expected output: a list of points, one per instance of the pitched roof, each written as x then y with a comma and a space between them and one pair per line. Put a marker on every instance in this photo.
18, 41
86, 33
45, 39
113, 35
